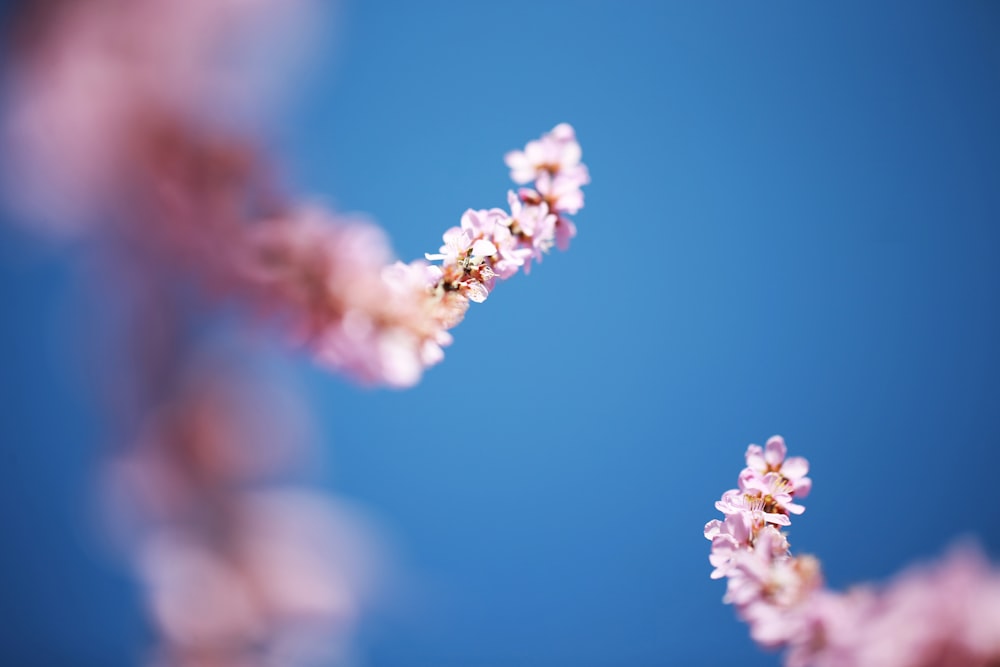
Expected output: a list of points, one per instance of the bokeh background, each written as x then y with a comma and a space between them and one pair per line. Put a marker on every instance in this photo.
792, 228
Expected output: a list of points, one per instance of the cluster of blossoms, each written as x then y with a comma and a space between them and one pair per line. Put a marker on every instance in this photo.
386, 322
494, 244
945, 615
748, 548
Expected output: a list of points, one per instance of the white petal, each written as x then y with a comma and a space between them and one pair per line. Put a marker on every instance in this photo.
475, 291
483, 248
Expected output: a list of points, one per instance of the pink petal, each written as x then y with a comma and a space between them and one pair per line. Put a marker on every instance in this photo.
483, 248
570, 202
475, 291
755, 457
739, 527
775, 450
563, 132
779, 519
565, 230
521, 169
431, 353
747, 477
795, 467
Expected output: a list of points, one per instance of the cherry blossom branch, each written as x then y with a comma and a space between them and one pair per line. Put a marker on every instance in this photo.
385, 323
946, 614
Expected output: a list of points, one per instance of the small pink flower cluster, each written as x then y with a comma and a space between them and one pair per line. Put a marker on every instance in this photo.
494, 244
946, 615
765, 582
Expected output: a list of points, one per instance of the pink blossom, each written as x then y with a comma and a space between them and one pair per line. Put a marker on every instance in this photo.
482, 223
728, 537
461, 248
749, 574
556, 152
469, 244
561, 192
753, 505
772, 459
774, 489
510, 255
535, 224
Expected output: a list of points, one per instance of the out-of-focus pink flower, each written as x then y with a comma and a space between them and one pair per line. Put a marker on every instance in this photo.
553, 162
236, 562
749, 574
87, 79
294, 572
483, 223
534, 223
946, 613
556, 152
559, 228
561, 192
510, 257
728, 537
380, 322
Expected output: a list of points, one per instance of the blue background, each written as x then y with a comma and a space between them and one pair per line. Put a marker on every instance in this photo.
792, 228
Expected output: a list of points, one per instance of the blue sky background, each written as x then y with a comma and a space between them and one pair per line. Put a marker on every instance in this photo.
792, 228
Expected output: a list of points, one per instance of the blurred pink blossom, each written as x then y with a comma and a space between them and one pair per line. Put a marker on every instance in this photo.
86, 79
556, 152
238, 564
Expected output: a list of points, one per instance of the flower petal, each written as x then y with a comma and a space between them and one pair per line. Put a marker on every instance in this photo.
755, 457
795, 467
775, 450
483, 248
